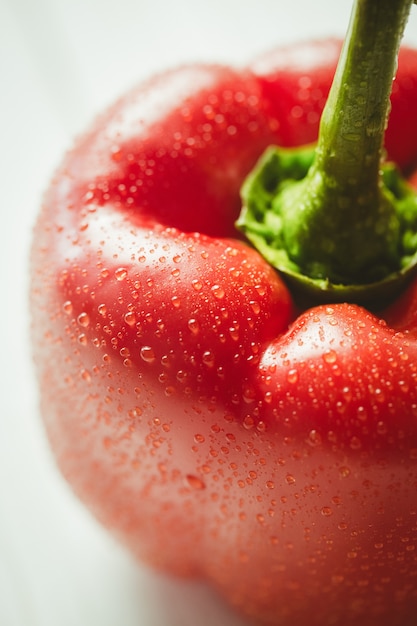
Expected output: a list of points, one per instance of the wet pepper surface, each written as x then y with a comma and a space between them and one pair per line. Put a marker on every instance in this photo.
212, 424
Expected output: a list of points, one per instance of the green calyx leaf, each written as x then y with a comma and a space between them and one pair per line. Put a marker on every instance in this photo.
269, 194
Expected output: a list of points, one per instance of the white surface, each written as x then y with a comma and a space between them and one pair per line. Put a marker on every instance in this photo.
61, 61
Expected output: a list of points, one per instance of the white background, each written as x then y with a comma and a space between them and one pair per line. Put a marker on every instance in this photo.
61, 61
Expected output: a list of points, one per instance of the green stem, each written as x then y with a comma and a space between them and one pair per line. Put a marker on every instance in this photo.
338, 223
354, 119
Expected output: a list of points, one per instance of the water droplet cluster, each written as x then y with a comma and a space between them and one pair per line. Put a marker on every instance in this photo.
350, 374
304, 96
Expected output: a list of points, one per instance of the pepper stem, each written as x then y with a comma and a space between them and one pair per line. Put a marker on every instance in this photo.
339, 223
354, 119
353, 229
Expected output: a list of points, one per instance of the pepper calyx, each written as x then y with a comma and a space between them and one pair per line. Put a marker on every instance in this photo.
278, 172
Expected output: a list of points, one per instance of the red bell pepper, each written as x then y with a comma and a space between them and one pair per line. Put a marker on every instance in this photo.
214, 424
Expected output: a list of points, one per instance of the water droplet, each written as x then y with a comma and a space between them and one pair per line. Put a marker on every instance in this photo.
234, 332
248, 394
340, 407
292, 376
130, 318
290, 479
314, 438
120, 273
198, 438
261, 289
381, 428
208, 358
86, 376
344, 471
330, 357
326, 511
83, 320
248, 422
194, 482
197, 285
135, 412
218, 292
347, 394
403, 386
362, 413
82, 339
194, 326
102, 309
235, 272
182, 376
147, 354
176, 302
379, 395
67, 307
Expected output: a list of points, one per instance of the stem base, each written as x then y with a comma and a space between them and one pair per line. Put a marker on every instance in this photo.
278, 178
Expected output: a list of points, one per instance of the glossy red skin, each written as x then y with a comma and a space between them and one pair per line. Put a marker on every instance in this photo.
213, 428
296, 80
